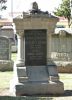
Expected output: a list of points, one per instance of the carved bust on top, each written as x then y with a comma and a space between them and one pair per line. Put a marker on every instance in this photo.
35, 6
36, 10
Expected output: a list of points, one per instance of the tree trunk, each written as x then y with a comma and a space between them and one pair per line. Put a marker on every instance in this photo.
69, 23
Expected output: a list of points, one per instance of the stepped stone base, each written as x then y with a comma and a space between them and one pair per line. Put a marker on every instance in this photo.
37, 88
36, 80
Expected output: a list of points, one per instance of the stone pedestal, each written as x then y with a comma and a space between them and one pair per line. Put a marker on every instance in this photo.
34, 71
33, 80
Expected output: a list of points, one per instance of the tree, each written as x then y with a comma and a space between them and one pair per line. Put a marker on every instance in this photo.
2, 5
64, 10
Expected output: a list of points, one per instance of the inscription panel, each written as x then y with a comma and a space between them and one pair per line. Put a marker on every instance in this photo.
4, 48
35, 47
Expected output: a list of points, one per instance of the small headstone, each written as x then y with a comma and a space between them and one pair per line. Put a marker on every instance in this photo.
5, 54
4, 48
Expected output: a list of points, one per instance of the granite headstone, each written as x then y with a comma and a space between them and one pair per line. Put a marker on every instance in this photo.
5, 54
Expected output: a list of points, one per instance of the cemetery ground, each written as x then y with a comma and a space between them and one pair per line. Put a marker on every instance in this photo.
6, 76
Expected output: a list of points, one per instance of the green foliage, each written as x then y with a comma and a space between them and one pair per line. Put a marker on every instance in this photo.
2, 5
64, 10
3, 1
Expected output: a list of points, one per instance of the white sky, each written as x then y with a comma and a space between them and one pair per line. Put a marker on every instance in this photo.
25, 5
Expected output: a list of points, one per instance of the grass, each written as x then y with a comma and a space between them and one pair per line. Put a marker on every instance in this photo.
7, 76
67, 80
13, 56
5, 79
26, 98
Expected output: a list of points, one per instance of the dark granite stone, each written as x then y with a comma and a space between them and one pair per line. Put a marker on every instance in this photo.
35, 47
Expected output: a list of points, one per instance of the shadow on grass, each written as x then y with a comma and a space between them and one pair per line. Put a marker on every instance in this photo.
24, 98
37, 97
68, 93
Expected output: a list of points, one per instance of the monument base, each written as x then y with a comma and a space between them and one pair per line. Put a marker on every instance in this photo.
36, 80
37, 88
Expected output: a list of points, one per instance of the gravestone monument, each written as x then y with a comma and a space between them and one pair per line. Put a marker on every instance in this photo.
34, 71
5, 54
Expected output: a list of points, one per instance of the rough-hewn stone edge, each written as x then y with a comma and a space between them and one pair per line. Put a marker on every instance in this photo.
41, 88
64, 69
64, 66
6, 65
